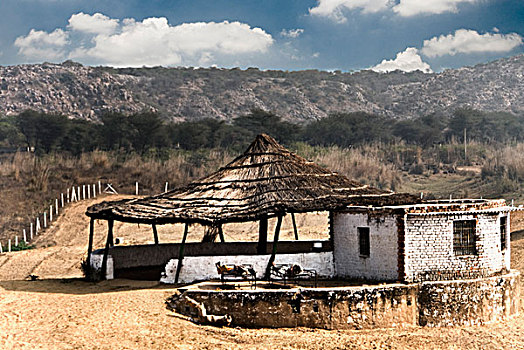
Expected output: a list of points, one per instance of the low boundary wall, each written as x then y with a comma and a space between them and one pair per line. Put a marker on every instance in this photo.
432, 304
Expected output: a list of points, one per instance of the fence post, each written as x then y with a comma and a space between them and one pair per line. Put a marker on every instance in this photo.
31, 230
99, 187
45, 219
88, 191
136, 188
56, 206
67, 195
84, 191
165, 190
1, 249
94, 191
25, 235
62, 199
50, 213
78, 193
37, 226
16, 241
9, 245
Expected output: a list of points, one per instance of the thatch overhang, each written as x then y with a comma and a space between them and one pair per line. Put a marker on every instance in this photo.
267, 180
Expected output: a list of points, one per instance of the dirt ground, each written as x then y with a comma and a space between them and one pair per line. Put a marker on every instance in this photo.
59, 311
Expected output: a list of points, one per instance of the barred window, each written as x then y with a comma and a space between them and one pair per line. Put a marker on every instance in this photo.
503, 232
464, 241
363, 240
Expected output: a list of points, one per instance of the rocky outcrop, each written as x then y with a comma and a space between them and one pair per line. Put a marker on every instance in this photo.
186, 93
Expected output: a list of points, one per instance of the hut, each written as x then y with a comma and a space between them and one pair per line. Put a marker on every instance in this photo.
266, 181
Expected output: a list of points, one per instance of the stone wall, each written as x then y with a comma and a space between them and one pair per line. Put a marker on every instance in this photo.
382, 263
429, 254
448, 303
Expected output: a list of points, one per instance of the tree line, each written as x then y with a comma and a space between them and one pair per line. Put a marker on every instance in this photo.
142, 132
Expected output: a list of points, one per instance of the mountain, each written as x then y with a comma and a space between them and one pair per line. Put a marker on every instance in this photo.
187, 93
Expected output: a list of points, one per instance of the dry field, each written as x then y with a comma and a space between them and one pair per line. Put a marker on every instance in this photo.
60, 311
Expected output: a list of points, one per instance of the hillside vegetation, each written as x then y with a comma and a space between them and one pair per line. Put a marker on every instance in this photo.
299, 96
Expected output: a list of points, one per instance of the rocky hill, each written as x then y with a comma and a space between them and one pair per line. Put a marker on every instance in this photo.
187, 93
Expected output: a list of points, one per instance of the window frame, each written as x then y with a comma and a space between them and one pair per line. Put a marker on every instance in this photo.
465, 237
503, 233
364, 242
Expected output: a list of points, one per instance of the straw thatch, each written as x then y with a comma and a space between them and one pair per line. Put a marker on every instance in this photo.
266, 181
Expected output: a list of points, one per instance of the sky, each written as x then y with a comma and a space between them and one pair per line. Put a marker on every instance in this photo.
346, 35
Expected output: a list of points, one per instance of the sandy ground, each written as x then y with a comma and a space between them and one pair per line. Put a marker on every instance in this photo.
60, 311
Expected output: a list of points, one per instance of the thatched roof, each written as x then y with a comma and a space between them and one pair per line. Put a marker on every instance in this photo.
267, 180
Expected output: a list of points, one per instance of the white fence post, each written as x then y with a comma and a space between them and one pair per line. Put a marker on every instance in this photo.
45, 219
73, 194
68, 195
1, 249
62, 199
31, 230
78, 193
25, 235
99, 187
9, 245
56, 206
167, 183
16, 241
136, 188
50, 213
84, 191
88, 191
94, 191
37, 226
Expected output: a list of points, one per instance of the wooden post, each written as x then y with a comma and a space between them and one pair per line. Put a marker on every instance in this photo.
136, 188
1, 249
38, 227
9, 245
181, 253
45, 219
62, 199
31, 229
94, 191
155, 233
67, 196
50, 213
56, 206
16, 241
84, 191
165, 190
73, 194
25, 235
88, 191
294, 226
274, 251
78, 198
90, 244
262, 236
99, 187
109, 243
221, 233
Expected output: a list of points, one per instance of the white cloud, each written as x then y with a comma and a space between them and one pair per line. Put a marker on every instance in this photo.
470, 41
150, 42
291, 33
38, 44
94, 24
408, 8
408, 60
334, 8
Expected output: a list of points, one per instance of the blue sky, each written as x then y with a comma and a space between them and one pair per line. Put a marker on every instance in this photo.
346, 35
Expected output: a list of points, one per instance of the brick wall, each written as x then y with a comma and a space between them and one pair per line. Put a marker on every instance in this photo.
429, 251
382, 263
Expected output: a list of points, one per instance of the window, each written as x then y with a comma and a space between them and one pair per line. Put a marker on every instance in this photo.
464, 242
503, 232
363, 240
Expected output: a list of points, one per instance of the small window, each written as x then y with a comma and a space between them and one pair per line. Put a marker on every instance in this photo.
503, 232
363, 240
464, 241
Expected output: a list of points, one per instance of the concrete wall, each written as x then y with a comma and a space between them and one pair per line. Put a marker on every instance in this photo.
464, 302
382, 263
198, 268
429, 248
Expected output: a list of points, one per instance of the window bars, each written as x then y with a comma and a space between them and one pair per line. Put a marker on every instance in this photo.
464, 240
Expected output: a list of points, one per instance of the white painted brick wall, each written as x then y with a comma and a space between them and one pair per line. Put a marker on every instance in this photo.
429, 246
382, 264
198, 268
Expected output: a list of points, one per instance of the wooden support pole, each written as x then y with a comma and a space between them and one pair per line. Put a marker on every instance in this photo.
155, 234
294, 226
221, 233
90, 244
274, 251
181, 253
109, 243
262, 236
